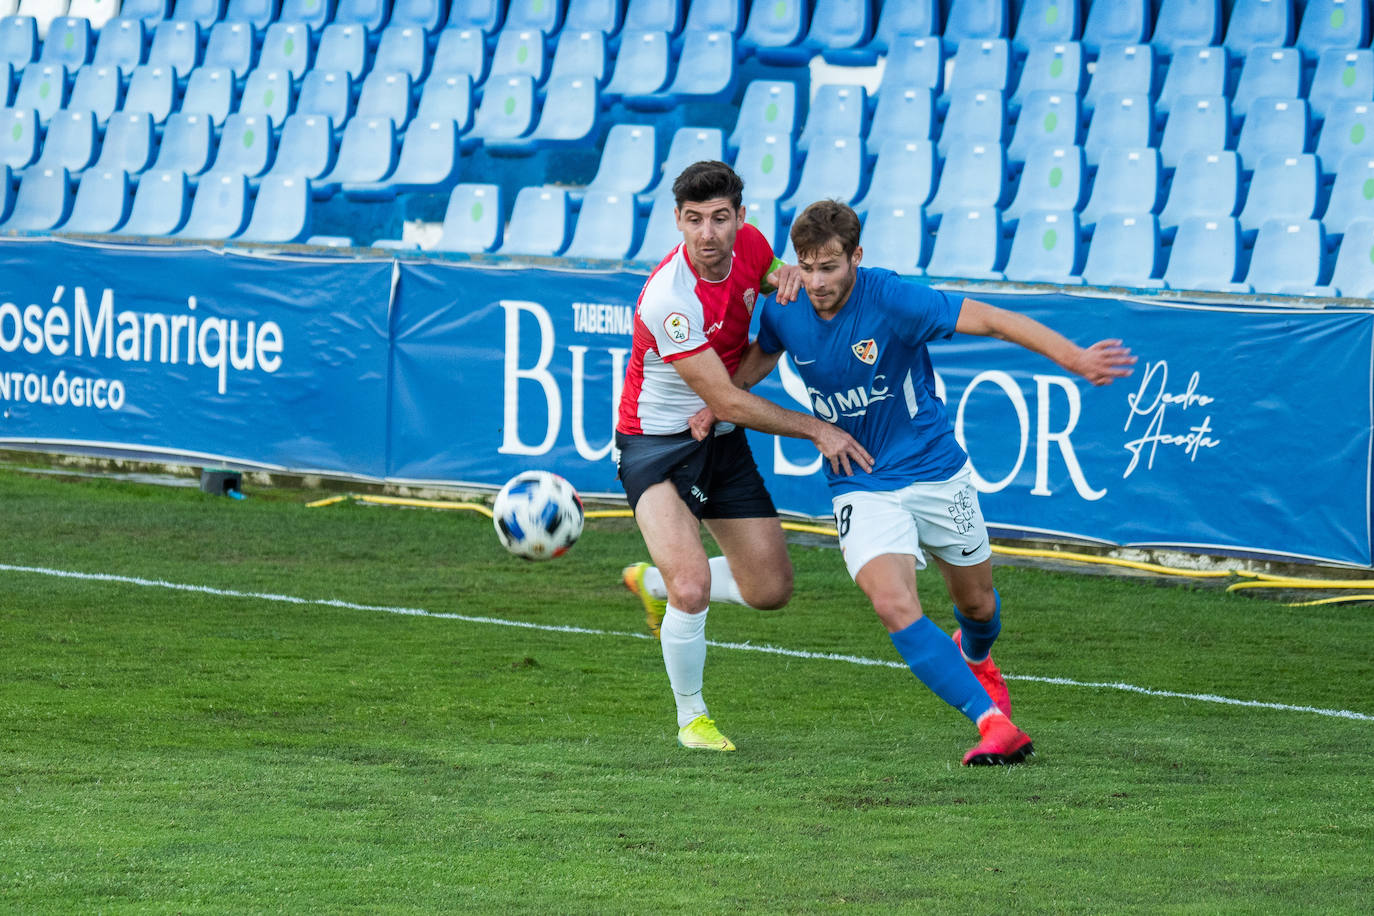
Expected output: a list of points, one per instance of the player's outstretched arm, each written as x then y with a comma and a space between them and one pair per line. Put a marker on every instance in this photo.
707, 376
1100, 363
753, 368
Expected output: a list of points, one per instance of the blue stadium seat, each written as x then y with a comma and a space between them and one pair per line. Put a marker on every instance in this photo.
660, 232
1054, 179
975, 179
706, 66
1047, 248
19, 136
1121, 68
482, 15
1206, 184
1354, 273
1116, 22
1193, 71
460, 52
219, 209
774, 30
313, 13
43, 87
1196, 122
628, 160
903, 176
569, 112
18, 40
1259, 24
982, 63
70, 142
1348, 131
69, 42
202, 12
1284, 187
43, 201
544, 15
538, 223
689, 144
1128, 181
1341, 75
768, 105
326, 92
472, 221
1273, 126
764, 162
602, 16
209, 91
1047, 119
230, 46
427, 15
605, 227
1352, 195
121, 43
128, 145
519, 52
1124, 251
1047, 21
840, 29
1333, 24
268, 93
343, 46
1053, 67
914, 62
836, 110
969, 244
833, 169
286, 46
1267, 73
385, 95
96, 89
1288, 259
257, 13
176, 46
245, 145
976, 19
367, 152
580, 53
428, 161
918, 18
188, 142
6, 191
150, 12
762, 214
1186, 23
101, 202
716, 16
507, 109
401, 49
641, 67
903, 114
1121, 119
447, 97
895, 237
305, 148
654, 15
974, 116
1205, 256
370, 14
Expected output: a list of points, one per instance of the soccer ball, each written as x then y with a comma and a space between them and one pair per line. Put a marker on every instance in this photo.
538, 515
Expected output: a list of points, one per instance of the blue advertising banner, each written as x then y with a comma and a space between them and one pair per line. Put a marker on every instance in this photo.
217, 356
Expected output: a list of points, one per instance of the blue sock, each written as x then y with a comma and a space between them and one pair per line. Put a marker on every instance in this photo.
932, 656
979, 635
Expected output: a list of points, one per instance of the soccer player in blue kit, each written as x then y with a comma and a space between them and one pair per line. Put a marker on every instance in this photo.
858, 338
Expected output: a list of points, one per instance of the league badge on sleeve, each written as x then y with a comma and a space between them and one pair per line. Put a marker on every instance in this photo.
676, 326
866, 351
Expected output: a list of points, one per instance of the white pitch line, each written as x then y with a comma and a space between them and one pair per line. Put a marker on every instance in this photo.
587, 631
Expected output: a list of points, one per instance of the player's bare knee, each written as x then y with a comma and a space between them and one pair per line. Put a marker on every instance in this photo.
979, 607
895, 610
691, 595
769, 596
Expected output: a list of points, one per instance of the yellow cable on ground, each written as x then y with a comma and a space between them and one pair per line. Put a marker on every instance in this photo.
1109, 561
327, 501
1337, 599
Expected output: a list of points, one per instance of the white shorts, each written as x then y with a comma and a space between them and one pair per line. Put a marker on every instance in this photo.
943, 517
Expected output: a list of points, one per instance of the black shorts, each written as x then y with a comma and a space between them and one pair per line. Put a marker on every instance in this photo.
716, 478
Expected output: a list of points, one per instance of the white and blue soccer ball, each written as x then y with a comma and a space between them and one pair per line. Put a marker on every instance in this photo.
538, 515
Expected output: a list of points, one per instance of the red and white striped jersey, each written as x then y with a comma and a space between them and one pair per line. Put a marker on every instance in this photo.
680, 314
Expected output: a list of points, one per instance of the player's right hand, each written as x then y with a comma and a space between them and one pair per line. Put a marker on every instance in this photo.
842, 450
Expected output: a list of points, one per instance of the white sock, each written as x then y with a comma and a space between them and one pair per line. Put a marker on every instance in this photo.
723, 586
683, 637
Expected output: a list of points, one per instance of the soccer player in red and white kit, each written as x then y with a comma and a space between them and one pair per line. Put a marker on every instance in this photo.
691, 329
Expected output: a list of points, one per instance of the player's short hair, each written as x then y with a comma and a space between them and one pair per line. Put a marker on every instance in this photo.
708, 180
823, 222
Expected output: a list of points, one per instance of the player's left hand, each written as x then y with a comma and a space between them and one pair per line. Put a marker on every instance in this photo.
701, 423
1105, 361
787, 279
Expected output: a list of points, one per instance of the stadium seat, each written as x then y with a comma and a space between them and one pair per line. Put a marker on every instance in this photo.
447, 97
460, 52
762, 214
120, 44
1053, 179
1047, 21
1204, 256
1186, 23
428, 161
1193, 71
902, 114
1354, 273
833, 169
1341, 75
245, 145
974, 116
385, 95
255, 13
1196, 122
1124, 251
482, 15
580, 53
1330, 24
654, 15
230, 47
538, 223
69, 42
774, 30
472, 221
1348, 131
706, 67
914, 62
151, 12
1352, 195
602, 16
1116, 22
1046, 248
568, 115
974, 180
343, 47
605, 227
903, 176
313, 13
19, 137
1289, 258
43, 201
43, 12
203, 13
1284, 188
370, 14
689, 144
401, 49
1121, 69
660, 232
129, 143
268, 93
305, 148
836, 110
641, 67
101, 202
544, 15
219, 209
70, 142
628, 162
187, 144
976, 19
895, 237
1056, 67
910, 18
1047, 119
18, 41
326, 92
519, 52
981, 64
96, 89
43, 87
764, 162
1273, 126
1259, 24
96, 12
715, 16
367, 152
1206, 184
969, 244
840, 31
176, 46
507, 109
1128, 181
1121, 119
426, 15
286, 46
210, 92
1267, 73
768, 105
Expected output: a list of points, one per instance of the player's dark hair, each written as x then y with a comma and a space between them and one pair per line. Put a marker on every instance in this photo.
708, 180
823, 222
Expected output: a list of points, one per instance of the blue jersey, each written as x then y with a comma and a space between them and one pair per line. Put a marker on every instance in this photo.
867, 371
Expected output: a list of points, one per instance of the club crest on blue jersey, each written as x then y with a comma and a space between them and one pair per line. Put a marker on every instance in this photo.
866, 351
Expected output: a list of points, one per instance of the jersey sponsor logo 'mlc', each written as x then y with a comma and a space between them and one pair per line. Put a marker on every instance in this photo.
866, 351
